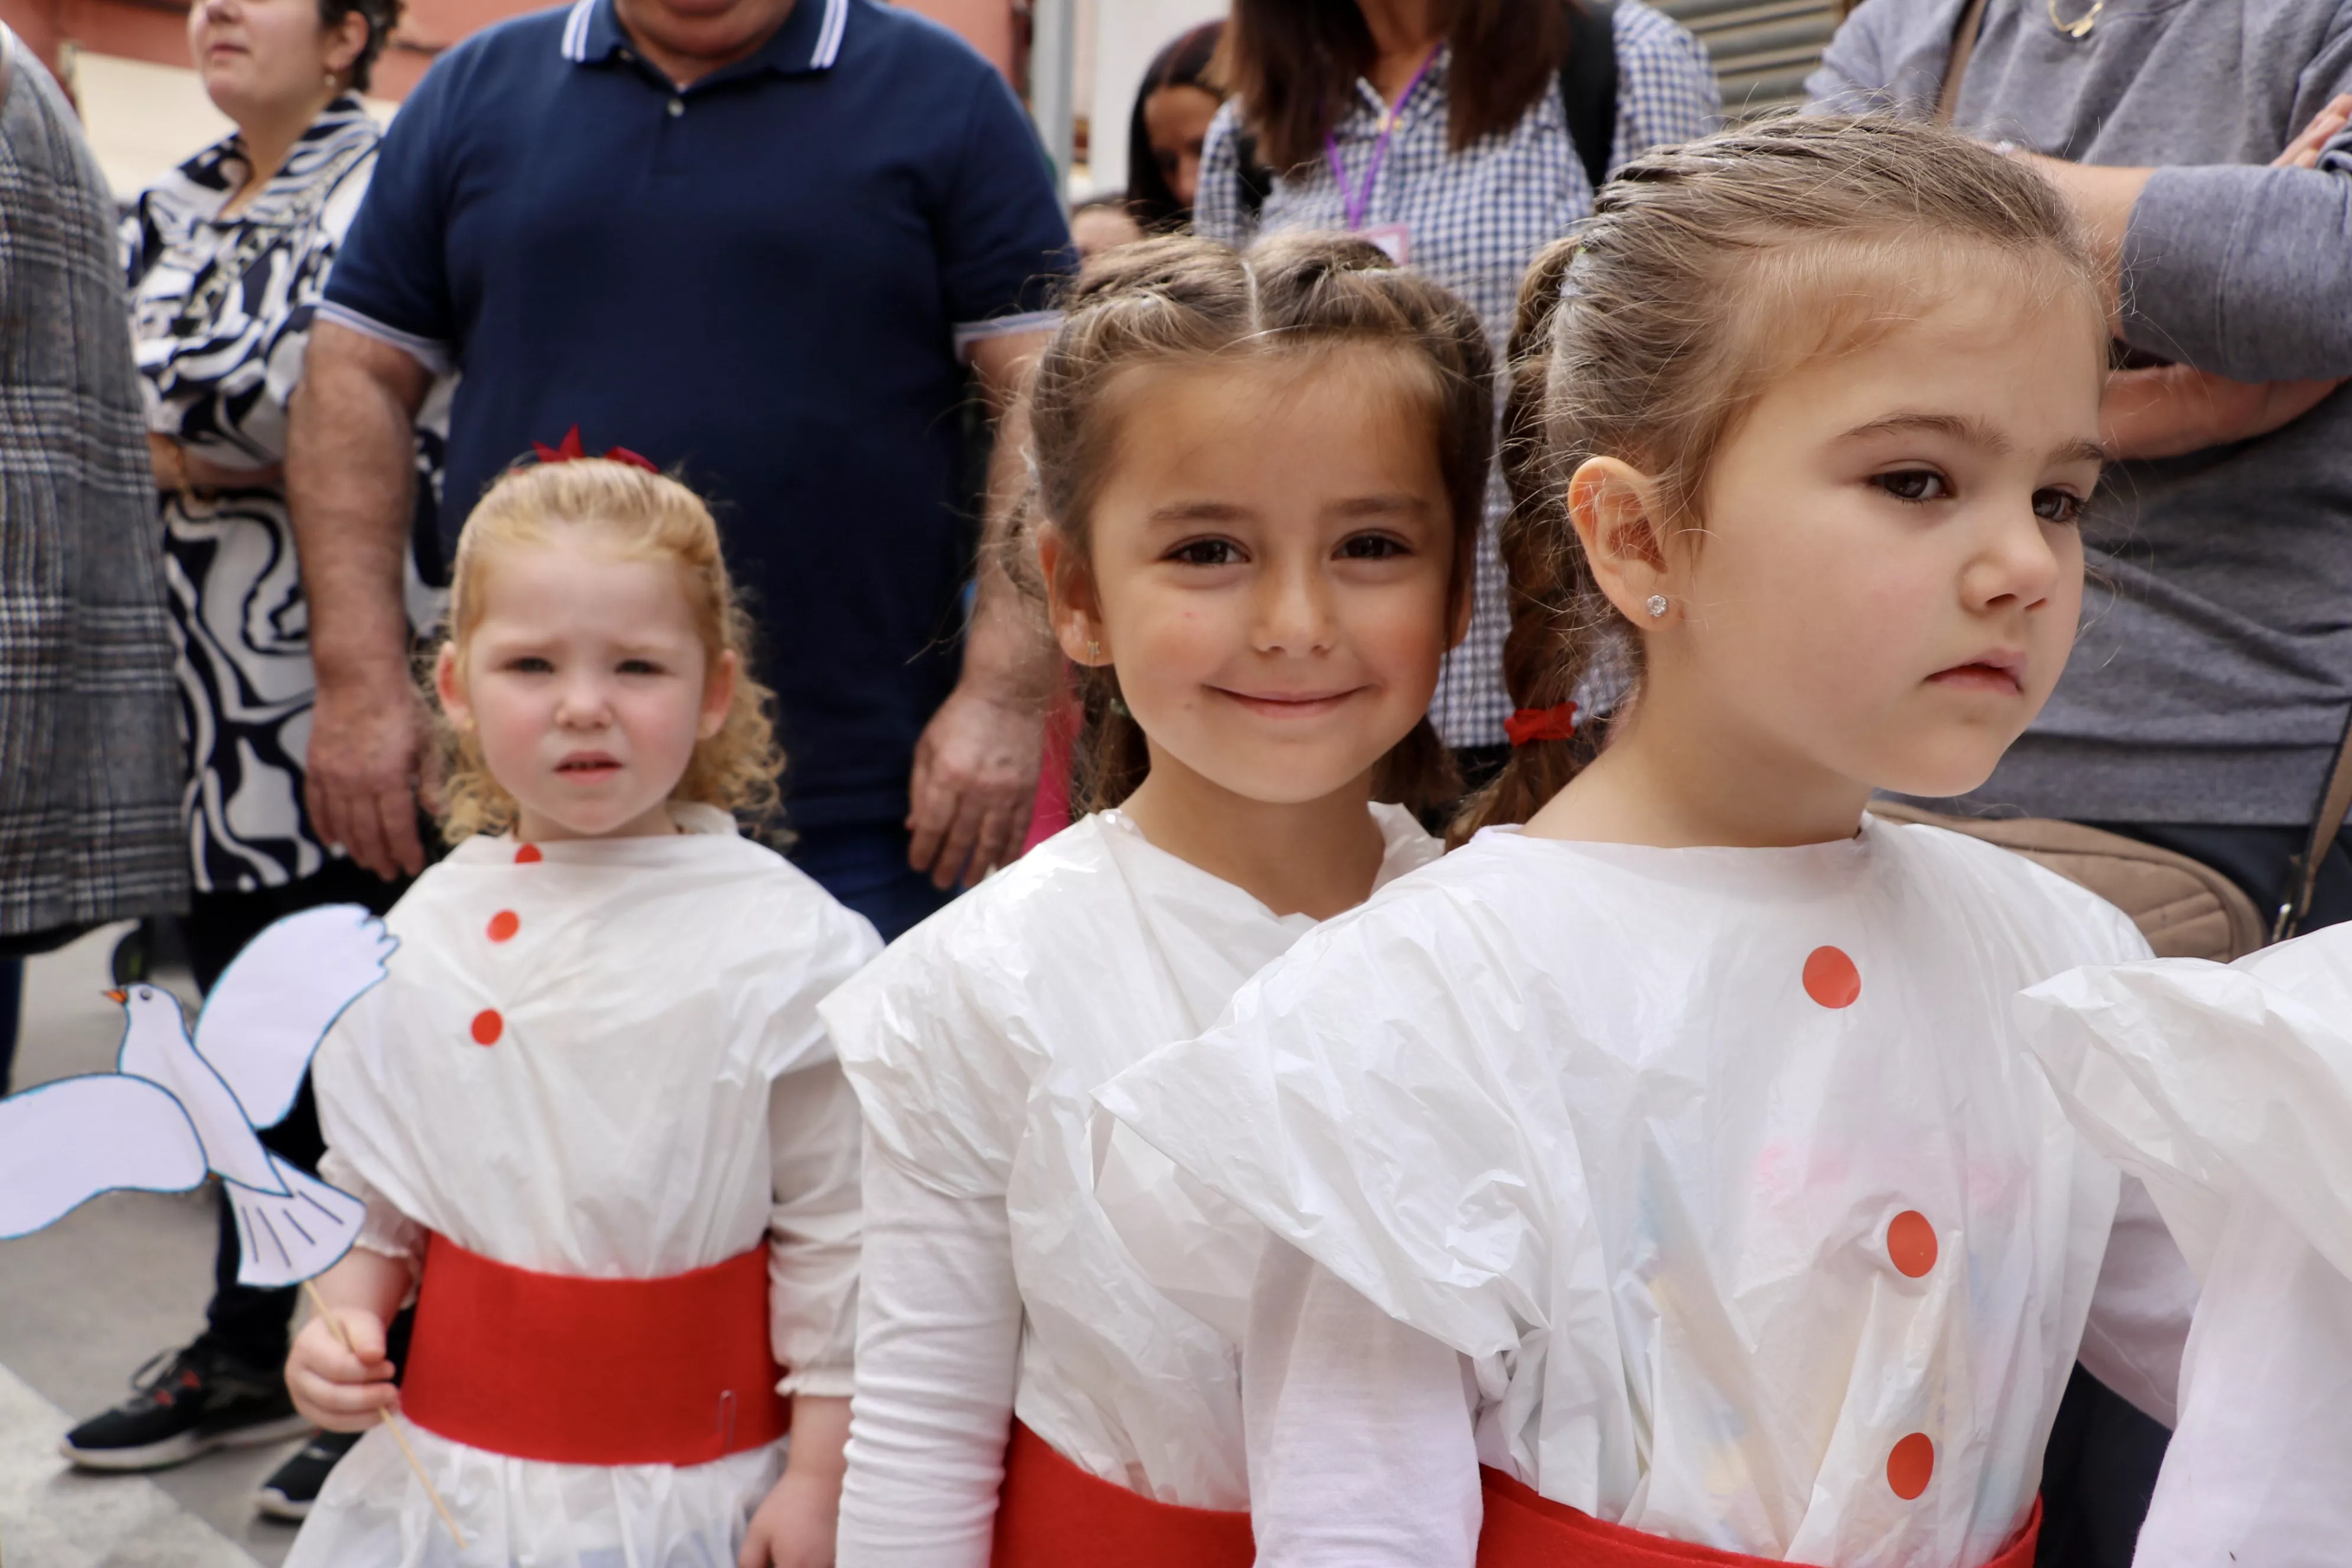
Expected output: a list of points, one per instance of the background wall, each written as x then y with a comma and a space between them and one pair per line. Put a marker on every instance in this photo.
1127, 33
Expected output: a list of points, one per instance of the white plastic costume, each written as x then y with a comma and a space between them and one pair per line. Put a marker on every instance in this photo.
655, 1094
1717, 1178
2228, 1090
975, 1044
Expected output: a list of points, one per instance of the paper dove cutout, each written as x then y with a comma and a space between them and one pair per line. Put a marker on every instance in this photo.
175, 1109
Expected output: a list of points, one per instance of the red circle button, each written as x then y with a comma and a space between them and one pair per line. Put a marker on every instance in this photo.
489, 1026
528, 855
1911, 1244
1831, 978
1910, 1466
504, 924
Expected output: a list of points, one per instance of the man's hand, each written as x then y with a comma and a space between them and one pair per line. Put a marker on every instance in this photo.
2166, 410
2303, 151
975, 780
351, 462
367, 742
975, 774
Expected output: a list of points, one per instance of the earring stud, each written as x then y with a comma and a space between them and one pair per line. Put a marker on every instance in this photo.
1657, 607
1094, 649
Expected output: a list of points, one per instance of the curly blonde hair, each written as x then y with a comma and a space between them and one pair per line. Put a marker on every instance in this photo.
644, 516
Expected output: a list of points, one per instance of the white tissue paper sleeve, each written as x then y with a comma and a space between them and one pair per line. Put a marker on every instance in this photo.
777, 1004
386, 1231
813, 1231
1431, 1220
2208, 1081
2229, 1090
942, 1074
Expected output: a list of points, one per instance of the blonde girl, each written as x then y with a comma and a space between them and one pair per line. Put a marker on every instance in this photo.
594, 1118
1259, 484
1657, 1179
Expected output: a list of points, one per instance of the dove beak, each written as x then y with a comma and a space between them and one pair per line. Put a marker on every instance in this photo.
117, 995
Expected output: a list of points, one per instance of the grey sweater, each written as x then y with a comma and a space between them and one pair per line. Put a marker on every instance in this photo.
2213, 675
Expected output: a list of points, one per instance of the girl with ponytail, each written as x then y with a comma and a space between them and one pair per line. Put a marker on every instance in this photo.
1659, 1178
1259, 484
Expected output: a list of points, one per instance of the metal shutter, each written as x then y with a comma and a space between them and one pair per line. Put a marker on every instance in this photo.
1763, 49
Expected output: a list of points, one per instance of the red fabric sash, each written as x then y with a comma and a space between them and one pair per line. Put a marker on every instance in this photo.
1051, 1514
1525, 1530
594, 1372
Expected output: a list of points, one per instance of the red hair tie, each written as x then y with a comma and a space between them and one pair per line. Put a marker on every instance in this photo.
568, 448
1556, 722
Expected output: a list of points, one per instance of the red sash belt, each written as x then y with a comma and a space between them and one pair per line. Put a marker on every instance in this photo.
1051, 1514
594, 1372
1525, 1530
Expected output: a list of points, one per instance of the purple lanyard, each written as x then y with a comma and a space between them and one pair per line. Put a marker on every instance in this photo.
1354, 201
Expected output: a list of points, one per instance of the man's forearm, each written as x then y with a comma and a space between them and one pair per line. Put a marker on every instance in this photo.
351, 469
1007, 650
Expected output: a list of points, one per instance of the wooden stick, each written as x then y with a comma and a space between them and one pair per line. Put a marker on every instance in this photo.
399, 1434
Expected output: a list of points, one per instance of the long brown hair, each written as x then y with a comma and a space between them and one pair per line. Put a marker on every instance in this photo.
1294, 65
1706, 271
1183, 301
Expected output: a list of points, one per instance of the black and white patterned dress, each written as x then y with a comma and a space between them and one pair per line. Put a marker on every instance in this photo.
221, 311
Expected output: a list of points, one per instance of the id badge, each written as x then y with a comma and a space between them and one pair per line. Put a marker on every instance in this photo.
1394, 238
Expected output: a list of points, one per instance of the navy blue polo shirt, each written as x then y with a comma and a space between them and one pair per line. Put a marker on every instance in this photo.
761, 281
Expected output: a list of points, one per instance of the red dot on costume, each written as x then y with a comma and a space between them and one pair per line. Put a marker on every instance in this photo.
1911, 1244
504, 924
489, 1026
1831, 978
527, 855
1911, 1464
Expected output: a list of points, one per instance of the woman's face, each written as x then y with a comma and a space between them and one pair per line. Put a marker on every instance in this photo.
1177, 121
1268, 570
264, 59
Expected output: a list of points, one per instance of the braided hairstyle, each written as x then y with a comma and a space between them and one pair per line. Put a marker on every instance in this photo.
1707, 271
1186, 301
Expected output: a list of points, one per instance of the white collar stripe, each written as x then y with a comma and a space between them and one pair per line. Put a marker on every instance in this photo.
575, 30
828, 37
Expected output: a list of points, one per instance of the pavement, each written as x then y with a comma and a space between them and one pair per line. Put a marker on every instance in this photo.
82, 1304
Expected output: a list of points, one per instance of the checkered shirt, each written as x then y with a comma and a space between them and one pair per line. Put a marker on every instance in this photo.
1476, 218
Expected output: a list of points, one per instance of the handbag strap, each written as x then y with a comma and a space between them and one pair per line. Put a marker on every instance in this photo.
1964, 45
1588, 86
2335, 803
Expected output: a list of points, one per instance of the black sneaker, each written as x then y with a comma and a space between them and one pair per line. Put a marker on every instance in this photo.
199, 1401
294, 1486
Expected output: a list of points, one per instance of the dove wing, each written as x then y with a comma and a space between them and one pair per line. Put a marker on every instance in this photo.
271, 1007
65, 1142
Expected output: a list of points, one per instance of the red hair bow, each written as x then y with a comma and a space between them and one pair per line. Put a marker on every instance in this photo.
1556, 722
568, 448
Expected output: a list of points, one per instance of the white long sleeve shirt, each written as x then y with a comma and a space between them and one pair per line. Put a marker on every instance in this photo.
994, 1286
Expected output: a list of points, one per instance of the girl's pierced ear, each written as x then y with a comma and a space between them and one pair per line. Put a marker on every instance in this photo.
1657, 607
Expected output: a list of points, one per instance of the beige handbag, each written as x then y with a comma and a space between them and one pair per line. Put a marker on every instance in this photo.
2184, 907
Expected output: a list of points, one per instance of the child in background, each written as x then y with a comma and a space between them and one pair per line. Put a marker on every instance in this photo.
1259, 480
1669, 1152
592, 1110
